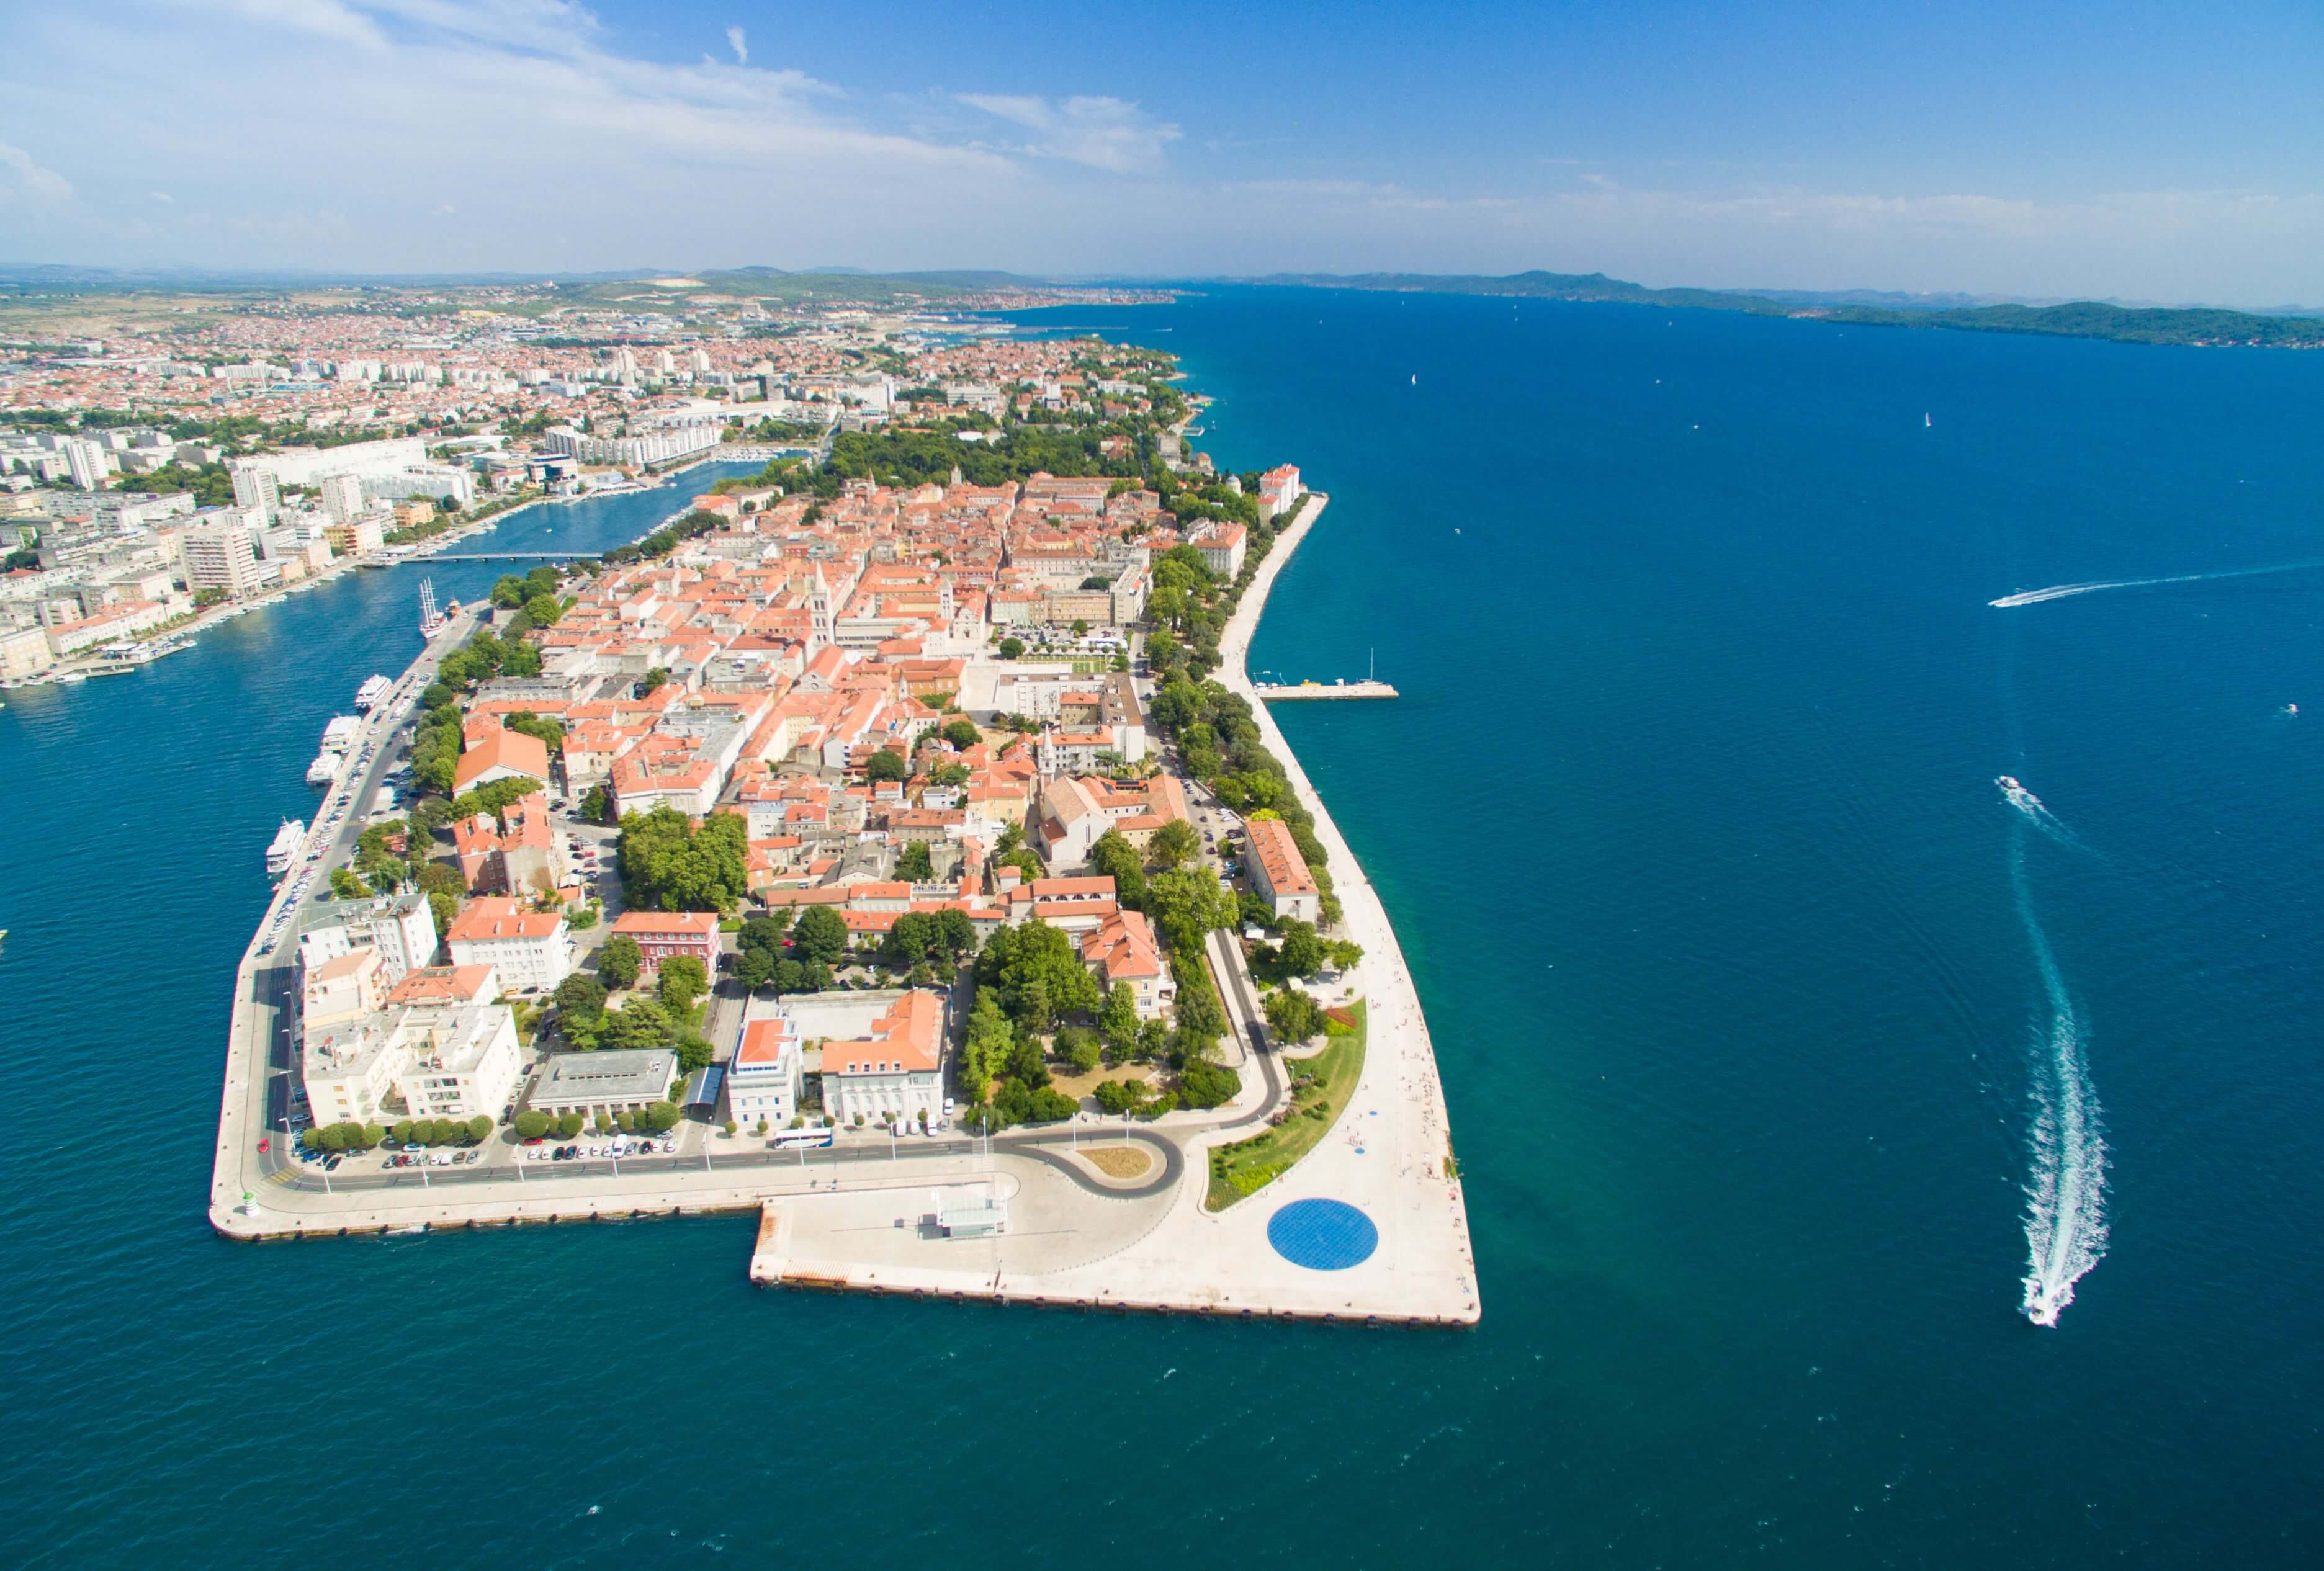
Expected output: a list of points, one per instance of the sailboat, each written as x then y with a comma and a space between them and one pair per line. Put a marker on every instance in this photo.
1925, 421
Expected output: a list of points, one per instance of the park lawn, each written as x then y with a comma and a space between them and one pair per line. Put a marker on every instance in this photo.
1249, 1166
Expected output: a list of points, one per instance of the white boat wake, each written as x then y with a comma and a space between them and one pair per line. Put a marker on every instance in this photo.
2035, 813
2065, 1189
2061, 591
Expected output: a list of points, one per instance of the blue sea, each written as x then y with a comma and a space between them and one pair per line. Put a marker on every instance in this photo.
1781, 1048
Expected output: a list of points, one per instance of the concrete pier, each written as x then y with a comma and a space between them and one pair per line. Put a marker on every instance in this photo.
1276, 692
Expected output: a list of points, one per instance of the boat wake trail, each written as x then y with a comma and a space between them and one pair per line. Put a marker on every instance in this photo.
2061, 591
2065, 1189
2035, 813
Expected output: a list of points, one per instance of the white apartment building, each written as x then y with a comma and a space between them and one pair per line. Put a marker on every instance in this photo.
343, 496
86, 462
532, 950
255, 487
220, 556
438, 1045
400, 927
768, 1075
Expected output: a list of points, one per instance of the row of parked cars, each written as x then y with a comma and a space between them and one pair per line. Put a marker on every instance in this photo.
622, 1147
434, 1158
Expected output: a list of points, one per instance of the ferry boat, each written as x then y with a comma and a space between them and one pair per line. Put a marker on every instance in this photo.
325, 769
284, 850
342, 733
372, 691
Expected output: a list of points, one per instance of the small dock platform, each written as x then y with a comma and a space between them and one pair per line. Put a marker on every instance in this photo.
1274, 691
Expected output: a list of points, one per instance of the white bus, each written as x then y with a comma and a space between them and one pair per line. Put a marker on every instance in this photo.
800, 1139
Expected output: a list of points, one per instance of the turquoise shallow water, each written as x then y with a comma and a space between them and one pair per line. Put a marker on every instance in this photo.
1688, 823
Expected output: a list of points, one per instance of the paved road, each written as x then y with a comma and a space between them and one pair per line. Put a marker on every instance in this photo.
1041, 1145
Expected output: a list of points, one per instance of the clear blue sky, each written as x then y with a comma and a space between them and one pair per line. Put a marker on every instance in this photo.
2129, 150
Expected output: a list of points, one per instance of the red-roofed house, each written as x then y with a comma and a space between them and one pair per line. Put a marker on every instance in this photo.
660, 935
499, 753
1279, 873
1123, 950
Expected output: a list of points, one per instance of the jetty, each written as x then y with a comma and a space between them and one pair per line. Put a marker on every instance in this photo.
1277, 691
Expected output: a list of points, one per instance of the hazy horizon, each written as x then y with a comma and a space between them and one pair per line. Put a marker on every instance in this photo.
1961, 149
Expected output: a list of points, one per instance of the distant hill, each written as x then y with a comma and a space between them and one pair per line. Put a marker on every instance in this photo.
2184, 324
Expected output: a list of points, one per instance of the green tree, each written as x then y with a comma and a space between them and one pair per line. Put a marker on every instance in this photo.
1117, 1020
955, 933
1117, 859
1038, 974
620, 960
661, 1118
1300, 952
668, 864
820, 935
1188, 903
1293, 1015
1172, 844
543, 610
887, 764
569, 1125
913, 863
990, 1038
579, 996
1012, 648
639, 1023
1079, 1046
1202, 1084
683, 979
479, 1127
531, 1125
961, 733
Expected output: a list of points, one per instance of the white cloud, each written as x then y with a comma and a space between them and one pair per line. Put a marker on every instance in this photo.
30, 178
1107, 133
320, 18
164, 197
734, 41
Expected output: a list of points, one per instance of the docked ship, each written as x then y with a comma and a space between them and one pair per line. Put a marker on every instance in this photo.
284, 850
326, 767
342, 733
432, 620
372, 691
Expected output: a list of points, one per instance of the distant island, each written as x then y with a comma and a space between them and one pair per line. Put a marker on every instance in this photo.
2194, 326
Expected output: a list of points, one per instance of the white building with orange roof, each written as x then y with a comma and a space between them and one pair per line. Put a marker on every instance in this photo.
532, 950
767, 1076
895, 1071
1279, 873
499, 753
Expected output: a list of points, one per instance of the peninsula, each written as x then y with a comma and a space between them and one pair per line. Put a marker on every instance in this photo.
892, 846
